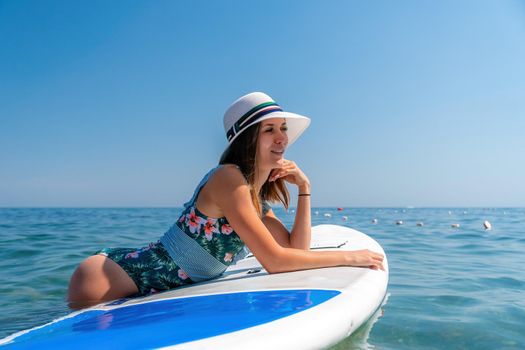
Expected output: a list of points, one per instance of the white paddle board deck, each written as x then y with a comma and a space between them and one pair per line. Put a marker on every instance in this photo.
245, 308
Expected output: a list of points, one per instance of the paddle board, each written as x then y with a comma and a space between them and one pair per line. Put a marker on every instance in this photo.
245, 308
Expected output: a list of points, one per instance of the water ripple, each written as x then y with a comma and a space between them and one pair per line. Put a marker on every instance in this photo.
451, 288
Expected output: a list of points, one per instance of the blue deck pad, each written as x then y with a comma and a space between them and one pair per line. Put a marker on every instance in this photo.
170, 322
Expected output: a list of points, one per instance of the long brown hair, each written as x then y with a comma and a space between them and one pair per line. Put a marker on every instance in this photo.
242, 152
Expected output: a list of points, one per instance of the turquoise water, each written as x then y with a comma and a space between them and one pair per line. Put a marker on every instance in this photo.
450, 288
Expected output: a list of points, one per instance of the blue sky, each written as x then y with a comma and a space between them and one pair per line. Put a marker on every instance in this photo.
120, 103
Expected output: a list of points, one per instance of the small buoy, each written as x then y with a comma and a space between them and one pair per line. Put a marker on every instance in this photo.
345, 217
292, 211
316, 212
399, 222
339, 209
420, 224
464, 213
455, 225
374, 221
327, 215
449, 212
487, 225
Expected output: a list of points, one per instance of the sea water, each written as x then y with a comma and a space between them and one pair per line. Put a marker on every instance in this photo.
450, 287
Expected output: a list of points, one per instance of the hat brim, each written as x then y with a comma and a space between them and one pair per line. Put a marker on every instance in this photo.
296, 123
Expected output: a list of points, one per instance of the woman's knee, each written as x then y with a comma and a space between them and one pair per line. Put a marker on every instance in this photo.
88, 278
89, 269
98, 279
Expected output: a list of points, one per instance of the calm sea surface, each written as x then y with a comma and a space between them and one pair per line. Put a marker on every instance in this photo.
450, 288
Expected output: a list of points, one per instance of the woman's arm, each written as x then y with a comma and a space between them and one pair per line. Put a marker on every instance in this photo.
301, 231
277, 229
231, 194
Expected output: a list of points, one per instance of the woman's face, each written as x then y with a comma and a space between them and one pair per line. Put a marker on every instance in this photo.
271, 143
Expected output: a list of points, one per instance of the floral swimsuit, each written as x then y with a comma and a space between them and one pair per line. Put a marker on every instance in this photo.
153, 270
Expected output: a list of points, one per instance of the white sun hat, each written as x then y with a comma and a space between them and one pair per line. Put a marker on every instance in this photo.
256, 107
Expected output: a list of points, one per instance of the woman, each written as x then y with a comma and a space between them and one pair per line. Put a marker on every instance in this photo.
228, 212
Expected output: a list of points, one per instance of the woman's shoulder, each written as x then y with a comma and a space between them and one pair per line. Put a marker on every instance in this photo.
227, 176
228, 172
222, 182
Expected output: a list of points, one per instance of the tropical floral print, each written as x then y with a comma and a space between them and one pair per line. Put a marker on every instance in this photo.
226, 229
153, 270
182, 275
215, 235
193, 222
151, 267
228, 257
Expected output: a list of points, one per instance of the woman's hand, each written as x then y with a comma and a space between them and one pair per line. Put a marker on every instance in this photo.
366, 258
290, 172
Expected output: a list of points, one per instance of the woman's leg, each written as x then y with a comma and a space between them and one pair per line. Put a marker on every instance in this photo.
98, 279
